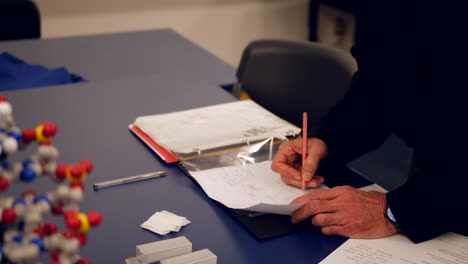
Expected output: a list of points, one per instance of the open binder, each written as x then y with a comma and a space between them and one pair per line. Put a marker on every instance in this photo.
223, 136
186, 134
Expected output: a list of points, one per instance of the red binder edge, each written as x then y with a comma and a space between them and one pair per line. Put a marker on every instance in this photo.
164, 154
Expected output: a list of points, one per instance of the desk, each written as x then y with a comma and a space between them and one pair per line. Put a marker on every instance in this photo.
93, 125
92, 119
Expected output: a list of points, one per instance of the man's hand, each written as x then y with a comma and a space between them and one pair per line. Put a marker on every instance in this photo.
346, 211
288, 162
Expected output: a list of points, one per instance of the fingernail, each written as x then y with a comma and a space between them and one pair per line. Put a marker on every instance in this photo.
307, 176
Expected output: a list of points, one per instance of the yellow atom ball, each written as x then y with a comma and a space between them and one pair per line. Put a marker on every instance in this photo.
84, 223
40, 136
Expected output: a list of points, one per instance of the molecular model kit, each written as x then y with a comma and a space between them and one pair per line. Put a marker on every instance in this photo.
26, 237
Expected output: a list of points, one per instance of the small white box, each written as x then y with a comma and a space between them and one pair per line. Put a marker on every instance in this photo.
132, 260
155, 251
204, 256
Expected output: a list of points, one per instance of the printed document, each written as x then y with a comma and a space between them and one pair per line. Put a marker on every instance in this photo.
252, 187
448, 248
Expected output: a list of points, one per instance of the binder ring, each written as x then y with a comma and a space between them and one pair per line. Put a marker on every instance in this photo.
197, 150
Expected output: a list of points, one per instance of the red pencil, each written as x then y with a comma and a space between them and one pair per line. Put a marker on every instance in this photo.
304, 146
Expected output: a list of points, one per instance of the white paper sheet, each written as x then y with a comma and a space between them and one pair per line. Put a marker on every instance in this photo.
448, 248
251, 187
214, 126
164, 222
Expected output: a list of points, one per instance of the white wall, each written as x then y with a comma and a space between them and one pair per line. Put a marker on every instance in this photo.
223, 27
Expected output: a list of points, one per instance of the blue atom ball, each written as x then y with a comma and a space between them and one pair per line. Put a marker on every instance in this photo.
19, 201
41, 198
27, 175
15, 135
18, 239
39, 243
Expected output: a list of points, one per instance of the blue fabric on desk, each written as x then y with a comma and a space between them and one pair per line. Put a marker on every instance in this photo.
18, 74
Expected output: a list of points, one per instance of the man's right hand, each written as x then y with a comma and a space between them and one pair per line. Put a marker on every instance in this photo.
288, 162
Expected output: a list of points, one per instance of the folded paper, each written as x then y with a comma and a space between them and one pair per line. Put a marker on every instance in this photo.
164, 222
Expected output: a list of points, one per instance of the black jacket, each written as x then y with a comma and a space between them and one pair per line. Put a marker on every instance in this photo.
411, 81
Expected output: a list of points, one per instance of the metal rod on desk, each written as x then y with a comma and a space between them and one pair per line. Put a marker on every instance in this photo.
135, 178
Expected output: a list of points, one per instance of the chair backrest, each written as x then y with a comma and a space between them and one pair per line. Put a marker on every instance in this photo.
290, 77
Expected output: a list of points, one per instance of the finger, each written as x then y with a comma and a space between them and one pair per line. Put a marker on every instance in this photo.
310, 166
296, 145
315, 181
332, 230
317, 150
296, 180
286, 170
327, 194
327, 219
291, 181
285, 160
312, 208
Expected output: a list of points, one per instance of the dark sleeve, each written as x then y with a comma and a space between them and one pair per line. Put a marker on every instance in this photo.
433, 200
358, 124
410, 82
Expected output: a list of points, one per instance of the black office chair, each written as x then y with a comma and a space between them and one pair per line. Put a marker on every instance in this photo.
19, 19
290, 77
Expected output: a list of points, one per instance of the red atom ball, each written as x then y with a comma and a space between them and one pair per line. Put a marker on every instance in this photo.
50, 228
83, 238
67, 234
87, 164
77, 185
72, 222
57, 209
4, 183
28, 135
77, 171
61, 171
94, 218
55, 255
8, 215
29, 192
49, 129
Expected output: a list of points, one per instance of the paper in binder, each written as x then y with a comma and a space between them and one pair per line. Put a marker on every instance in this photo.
177, 135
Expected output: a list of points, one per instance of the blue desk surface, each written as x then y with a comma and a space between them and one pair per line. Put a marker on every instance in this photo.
92, 119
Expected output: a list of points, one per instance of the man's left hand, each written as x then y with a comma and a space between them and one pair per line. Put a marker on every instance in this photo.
346, 211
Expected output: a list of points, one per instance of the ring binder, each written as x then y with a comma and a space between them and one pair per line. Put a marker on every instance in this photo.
182, 134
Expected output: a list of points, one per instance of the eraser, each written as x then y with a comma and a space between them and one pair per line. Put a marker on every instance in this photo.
204, 256
155, 251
